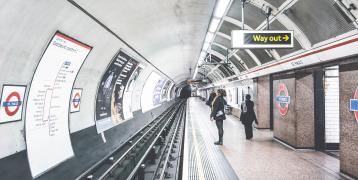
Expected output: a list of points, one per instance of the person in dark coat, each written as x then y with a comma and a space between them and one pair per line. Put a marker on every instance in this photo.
248, 116
211, 98
217, 114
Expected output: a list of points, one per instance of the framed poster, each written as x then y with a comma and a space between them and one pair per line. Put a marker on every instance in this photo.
48, 103
12, 100
76, 100
109, 99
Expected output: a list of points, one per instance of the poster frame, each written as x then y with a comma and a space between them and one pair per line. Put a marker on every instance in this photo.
23, 101
69, 101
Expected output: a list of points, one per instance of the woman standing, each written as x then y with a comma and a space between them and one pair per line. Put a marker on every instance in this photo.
217, 114
248, 116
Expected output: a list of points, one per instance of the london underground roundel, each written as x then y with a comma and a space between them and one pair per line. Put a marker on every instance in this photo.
282, 99
11, 103
354, 104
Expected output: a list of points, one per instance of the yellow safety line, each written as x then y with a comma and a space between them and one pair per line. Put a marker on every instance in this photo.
197, 152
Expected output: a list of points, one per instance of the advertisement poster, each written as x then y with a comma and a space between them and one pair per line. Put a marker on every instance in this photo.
157, 91
76, 100
165, 91
127, 97
46, 125
11, 103
120, 88
110, 91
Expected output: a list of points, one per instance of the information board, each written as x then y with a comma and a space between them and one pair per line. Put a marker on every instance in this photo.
110, 91
261, 39
46, 125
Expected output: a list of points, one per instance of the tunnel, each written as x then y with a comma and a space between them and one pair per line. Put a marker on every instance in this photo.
178, 89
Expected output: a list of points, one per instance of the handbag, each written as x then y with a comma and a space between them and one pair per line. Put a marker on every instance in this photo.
219, 113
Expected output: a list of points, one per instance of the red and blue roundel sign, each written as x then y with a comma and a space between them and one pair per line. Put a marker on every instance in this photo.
76, 100
354, 104
12, 103
282, 99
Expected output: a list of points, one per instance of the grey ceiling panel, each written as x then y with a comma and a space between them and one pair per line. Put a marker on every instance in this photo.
237, 64
225, 70
262, 55
219, 49
215, 58
318, 19
297, 46
223, 41
276, 3
227, 27
253, 15
250, 63
229, 69
276, 25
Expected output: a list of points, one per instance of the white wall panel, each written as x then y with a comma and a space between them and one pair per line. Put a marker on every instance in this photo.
331, 82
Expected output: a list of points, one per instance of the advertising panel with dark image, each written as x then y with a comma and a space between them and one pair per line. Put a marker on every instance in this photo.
46, 125
165, 91
115, 77
119, 91
157, 91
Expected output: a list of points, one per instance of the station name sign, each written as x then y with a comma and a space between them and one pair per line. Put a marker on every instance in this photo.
261, 39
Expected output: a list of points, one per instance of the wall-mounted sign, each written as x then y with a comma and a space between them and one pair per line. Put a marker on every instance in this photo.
354, 105
261, 39
46, 126
76, 100
109, 100
11, 103
282, 99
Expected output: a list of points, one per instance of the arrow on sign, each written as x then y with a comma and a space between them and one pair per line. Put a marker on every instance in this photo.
286, 37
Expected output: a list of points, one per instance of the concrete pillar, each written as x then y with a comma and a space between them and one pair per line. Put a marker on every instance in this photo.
348, 124
294, 123
262, 102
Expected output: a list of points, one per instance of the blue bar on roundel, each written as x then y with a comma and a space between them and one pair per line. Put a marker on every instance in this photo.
283, 99
354, 105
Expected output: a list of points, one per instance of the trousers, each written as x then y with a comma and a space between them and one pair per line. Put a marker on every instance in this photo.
248, 131
220, 126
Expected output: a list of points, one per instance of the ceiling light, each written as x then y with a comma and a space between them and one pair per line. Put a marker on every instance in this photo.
209, 37
214, 24
205, 47
221, 7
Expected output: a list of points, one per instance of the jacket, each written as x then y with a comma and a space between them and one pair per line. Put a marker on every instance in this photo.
218, 105
250, 116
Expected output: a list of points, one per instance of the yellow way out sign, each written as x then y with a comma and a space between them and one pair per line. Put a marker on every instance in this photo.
261, 39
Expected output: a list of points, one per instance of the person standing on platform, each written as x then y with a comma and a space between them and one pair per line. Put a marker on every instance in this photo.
248, 116
217, 114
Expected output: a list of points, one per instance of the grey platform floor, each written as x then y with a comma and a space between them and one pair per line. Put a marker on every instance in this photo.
260, 158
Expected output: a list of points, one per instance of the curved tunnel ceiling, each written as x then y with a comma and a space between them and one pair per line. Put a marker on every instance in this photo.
168, 33
312, 21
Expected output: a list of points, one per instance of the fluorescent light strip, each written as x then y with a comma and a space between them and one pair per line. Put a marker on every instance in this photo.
219, 12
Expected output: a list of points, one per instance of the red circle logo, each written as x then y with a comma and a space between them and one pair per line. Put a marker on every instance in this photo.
76, 100
282, 99
356, 97
13, 100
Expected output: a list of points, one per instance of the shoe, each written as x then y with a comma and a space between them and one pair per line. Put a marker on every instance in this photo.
218, 143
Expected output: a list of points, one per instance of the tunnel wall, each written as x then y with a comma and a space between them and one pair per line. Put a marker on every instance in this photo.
296, 128
24, 36
263, 102
348, 125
